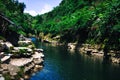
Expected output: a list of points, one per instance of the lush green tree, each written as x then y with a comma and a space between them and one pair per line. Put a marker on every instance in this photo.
91, 21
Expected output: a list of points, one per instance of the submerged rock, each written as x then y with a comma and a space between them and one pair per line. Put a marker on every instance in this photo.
115, 60
71, 46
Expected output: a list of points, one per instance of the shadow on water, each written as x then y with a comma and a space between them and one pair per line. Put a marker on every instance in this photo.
60, 64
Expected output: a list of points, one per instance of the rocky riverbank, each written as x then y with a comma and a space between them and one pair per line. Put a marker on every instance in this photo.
19, 62
95, 50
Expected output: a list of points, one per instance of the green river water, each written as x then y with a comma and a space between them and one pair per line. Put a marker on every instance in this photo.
61, 64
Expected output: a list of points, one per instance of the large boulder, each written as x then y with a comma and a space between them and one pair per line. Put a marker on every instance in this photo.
21, 61
71, 46
9, 46
115, 60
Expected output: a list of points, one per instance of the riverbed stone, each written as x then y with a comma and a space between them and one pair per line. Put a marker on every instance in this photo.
5, 58
38, 50
9, 46
101, 52
13, 69
37, 67
28, 63
30, 66
20, 61
24, 43
72, 46
95, 51
38, 61
4, 66
115, 60
38, 55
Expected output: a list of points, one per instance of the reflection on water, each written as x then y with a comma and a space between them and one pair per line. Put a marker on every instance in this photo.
60, 64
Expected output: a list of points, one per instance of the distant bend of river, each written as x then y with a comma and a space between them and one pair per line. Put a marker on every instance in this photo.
60, 64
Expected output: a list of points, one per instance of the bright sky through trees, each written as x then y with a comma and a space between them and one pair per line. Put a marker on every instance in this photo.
35, 7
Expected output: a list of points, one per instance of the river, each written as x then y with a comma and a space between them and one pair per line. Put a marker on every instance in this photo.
61, 64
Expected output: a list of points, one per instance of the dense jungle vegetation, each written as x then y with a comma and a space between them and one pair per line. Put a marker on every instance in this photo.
13, 10
82, 21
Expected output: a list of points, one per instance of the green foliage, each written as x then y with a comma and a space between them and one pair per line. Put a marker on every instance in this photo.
2, 38
93, 21
96, 22
7, 77
21, 32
